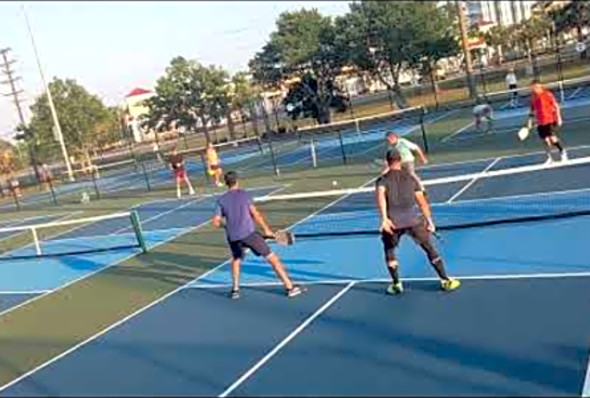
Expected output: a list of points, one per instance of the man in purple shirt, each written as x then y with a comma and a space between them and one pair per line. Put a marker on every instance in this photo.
240, 214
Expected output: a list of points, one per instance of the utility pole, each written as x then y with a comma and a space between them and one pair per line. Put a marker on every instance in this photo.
14, 93
56, 126
468, 64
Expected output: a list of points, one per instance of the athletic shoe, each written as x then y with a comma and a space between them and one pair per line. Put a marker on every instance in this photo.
564, 157
295, 291
395, 288
449, 284
234, 294
191, 193
549, 160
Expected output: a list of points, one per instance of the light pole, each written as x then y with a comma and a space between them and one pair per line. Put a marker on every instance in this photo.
56, 127
467, 54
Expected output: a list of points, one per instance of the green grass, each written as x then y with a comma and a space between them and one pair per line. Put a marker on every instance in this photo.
35, 333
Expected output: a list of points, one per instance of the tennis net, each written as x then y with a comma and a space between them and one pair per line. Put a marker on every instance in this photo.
503, 196
368, 127
76, 236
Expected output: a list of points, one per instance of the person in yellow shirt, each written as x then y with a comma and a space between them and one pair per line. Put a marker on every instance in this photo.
213, 166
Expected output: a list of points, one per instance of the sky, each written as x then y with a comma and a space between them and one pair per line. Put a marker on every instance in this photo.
112, 47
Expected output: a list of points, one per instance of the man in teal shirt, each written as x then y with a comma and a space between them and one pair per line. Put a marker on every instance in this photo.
407, 149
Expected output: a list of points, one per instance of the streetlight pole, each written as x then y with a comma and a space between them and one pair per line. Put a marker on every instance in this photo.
465, 45
56, 127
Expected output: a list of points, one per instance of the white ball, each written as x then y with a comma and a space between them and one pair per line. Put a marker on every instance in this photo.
334, 183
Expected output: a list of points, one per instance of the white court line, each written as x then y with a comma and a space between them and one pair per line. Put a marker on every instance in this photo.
572, 95
462, 129
61, 287
165, 213
586, 386
23, 224
210, 195
22, 292
358, 281
144, 308
285, 341
473, 181
140, 310
112, 326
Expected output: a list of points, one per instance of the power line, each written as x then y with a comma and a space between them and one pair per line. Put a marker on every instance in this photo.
14, 93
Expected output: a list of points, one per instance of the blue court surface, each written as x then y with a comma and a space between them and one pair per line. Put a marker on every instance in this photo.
517, 326
22, 279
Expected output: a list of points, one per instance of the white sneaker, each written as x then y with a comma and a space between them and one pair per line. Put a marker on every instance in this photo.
191, 193
549, 160
179, 195
564, 157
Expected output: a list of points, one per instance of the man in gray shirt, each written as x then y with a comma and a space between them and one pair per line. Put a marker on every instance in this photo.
240, 214
397, 193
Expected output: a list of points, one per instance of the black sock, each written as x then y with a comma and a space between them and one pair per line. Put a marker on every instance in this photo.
394, 273
558, 146
439, 267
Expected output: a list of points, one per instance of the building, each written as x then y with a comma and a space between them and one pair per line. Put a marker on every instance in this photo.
503, 13
136, 108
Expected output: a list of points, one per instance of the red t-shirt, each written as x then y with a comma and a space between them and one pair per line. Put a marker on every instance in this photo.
545, 107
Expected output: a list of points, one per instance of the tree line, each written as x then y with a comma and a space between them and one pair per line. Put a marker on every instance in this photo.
376, 38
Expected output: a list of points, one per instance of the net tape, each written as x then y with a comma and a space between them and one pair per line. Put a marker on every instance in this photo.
75, 241
357, 214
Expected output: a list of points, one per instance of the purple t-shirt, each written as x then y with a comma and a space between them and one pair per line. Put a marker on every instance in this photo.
234, 205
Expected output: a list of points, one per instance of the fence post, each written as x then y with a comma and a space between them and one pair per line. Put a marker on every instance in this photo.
423, 128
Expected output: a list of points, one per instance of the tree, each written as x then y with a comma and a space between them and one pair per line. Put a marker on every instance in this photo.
528, 33
573, 15
386, 38
267, 74
244, 99
298, 102
304, 43
187, 95
438, 40
499, 37
85, 121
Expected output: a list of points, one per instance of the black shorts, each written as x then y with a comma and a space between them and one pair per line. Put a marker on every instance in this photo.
512, 87
546, 130
418, 232
254, 242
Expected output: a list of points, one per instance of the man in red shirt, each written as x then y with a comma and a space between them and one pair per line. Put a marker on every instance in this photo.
547, 114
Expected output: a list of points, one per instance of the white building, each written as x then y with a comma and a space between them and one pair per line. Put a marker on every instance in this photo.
503, 13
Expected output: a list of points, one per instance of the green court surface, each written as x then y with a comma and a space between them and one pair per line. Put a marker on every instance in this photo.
46, 327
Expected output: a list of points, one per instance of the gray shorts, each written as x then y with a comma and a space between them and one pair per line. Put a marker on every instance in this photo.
254, 242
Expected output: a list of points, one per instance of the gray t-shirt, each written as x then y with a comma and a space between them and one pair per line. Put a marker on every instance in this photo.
400, 188
234, 205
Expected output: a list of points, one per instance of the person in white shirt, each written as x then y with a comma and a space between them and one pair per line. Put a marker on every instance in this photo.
512, 84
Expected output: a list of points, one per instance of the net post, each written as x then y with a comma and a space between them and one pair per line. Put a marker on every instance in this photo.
207, 177
51, 190
344, 160
13, 189
272, 156
145, 176
136, 223
561, 91
95, 183
259, 143
423, 128
314, 160
36, 241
